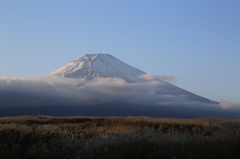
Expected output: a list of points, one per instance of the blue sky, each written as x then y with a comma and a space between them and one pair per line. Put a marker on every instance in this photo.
196, 41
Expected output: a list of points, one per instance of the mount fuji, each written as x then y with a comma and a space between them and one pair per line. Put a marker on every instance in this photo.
102, 85
92, 66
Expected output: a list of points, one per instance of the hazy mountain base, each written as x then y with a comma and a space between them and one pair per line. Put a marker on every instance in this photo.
119, 109
121, 138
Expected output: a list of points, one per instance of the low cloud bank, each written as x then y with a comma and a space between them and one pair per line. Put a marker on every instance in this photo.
57, 91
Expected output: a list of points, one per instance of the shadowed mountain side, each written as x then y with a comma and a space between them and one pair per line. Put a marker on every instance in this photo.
169, 89
118, 109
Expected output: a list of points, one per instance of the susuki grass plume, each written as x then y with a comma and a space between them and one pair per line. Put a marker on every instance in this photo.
118, 137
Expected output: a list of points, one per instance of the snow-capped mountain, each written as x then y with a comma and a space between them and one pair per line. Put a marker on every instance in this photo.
92, 66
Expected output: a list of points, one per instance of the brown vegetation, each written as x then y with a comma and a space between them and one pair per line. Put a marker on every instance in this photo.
118, 137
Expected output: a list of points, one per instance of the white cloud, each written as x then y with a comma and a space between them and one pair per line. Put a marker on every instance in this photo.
167, 78
228, 105
148, 76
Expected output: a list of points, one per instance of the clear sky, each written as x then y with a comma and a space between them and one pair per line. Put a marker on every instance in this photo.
197, 41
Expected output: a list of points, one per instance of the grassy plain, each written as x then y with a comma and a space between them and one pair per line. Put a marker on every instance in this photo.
118, 137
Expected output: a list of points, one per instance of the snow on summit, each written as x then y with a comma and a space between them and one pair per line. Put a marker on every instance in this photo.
91, 66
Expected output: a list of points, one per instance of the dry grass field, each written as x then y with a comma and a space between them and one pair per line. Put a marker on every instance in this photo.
118, 137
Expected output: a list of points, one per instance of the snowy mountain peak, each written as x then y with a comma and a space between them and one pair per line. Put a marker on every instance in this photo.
92, 66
